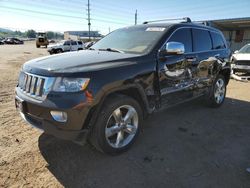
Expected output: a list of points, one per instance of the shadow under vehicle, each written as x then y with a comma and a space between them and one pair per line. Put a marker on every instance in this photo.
185, 146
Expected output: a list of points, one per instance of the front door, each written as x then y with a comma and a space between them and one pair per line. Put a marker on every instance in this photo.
74, 46
175, 76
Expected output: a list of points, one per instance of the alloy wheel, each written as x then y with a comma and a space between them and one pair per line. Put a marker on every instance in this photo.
121, 126
219, 92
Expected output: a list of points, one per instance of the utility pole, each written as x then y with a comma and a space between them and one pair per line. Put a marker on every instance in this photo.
136, 17
89, 24
109, 29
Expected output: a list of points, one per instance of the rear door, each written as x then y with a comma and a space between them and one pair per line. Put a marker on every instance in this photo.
202, 65
207, 56
80, 44
174, 73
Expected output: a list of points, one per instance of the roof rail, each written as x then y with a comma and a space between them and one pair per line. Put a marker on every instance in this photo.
206, 23
186, 19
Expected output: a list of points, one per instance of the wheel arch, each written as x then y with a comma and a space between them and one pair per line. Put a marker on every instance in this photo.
132, 90
226, 72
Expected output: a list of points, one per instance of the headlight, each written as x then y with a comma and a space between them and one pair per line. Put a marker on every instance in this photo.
70, 84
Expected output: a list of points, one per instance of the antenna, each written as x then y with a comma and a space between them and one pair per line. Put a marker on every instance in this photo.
186, 19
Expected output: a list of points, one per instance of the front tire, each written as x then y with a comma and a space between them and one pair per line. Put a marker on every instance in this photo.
58, 51
117, 126
217, 92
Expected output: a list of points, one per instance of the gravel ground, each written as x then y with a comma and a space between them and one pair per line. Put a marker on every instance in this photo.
189, 145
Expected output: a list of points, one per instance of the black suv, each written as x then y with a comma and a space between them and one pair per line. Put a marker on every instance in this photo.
102, 94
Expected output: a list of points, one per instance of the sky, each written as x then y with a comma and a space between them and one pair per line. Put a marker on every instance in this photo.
108, 15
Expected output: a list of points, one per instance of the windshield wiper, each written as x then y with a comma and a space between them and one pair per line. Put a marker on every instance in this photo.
111, 50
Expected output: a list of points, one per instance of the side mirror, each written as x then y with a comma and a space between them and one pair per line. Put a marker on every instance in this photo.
236, 51
174, 48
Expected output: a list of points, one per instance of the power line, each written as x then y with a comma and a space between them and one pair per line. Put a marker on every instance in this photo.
60, 15
39, 12
101, 12
53, 19
117, 7
107, 21
36, 4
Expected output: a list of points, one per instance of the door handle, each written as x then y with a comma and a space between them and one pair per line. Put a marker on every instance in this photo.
217, 55
191, 59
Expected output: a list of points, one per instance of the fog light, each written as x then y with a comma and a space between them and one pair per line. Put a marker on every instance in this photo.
59, 116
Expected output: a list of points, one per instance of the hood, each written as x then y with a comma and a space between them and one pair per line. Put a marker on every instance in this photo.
79, 61
54, 45
240, 56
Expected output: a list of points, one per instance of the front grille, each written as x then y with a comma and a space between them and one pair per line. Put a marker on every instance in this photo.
242, 62
41, 40
31, 84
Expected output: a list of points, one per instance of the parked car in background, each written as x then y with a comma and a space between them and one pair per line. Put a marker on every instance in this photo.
65, 46
52, 41
241, 60
89, 44
1, 41
12, 40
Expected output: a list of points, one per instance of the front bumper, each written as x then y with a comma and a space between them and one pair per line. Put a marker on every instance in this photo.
37, 113
47, 127
241, 68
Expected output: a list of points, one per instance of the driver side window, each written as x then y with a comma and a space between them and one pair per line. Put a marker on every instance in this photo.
183, 36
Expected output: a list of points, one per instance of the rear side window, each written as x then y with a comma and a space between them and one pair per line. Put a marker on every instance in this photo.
80, 42
183, 36
218, 42
201, 40
73, 43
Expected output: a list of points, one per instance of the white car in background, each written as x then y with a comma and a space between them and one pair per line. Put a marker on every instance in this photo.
241, 60
65, 46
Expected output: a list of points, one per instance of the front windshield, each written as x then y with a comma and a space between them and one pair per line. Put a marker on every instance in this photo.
245, 49
137, 40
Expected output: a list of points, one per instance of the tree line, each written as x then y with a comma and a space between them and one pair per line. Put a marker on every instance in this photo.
29, 34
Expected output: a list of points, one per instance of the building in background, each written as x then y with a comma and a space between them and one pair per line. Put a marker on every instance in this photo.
82, 35
235, 30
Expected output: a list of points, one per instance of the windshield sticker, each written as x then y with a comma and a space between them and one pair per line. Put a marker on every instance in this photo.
155, 29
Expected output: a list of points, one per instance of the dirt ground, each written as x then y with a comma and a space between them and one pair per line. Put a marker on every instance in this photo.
189, 145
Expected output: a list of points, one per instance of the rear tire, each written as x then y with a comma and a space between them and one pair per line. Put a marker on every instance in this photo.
217, 92
117, 126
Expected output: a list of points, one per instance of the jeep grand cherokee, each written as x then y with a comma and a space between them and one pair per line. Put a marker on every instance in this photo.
102, 94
